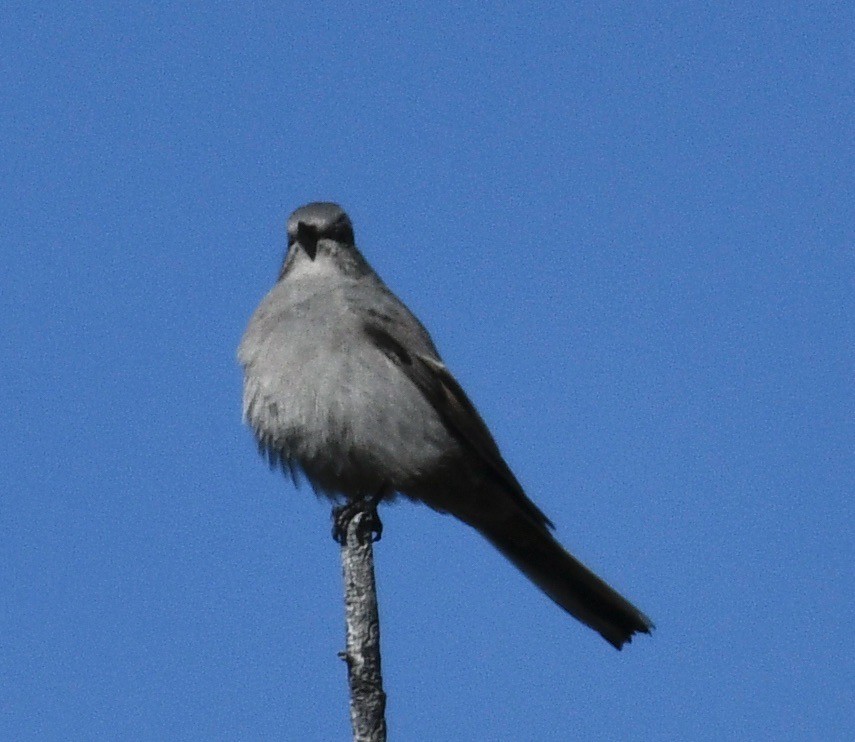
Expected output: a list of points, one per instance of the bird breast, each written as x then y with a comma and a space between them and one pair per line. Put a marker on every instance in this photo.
329, 401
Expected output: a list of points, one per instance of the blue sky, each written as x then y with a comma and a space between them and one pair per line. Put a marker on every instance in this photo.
629, 228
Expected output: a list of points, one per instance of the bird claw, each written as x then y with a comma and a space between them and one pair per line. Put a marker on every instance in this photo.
370, 527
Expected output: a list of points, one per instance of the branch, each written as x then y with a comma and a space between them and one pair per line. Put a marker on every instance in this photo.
367, 699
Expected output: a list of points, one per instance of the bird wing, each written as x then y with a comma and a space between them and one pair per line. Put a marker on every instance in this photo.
446, 396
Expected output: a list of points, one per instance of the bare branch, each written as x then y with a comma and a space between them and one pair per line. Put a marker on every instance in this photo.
367, 699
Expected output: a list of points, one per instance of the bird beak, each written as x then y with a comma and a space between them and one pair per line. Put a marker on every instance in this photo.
307, 236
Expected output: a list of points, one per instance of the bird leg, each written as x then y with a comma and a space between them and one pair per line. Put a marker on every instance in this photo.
370, 526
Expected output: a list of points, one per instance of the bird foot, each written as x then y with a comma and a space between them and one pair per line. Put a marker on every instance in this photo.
370, 526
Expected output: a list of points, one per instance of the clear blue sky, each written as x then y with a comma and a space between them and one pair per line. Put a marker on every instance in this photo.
629, 227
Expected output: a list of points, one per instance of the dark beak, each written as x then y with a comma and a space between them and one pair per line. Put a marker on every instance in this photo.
307, 236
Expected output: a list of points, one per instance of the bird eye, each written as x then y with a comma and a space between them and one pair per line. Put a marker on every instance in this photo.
341, 231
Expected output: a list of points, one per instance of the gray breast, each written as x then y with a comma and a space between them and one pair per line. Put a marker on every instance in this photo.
322, 397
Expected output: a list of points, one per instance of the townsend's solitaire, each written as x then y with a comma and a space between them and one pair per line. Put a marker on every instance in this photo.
343, 383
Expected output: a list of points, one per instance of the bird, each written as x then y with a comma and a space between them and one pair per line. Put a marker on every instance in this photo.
344, 385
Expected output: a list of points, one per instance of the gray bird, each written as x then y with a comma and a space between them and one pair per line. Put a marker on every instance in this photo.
344, 384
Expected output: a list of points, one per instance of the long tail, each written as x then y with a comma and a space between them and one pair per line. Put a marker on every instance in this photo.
535, 552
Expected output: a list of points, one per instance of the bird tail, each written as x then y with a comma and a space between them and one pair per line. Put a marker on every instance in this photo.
568, 582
